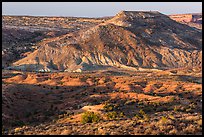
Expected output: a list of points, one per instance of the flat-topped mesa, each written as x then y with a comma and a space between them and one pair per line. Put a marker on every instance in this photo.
129, 18
138, 14
194, 17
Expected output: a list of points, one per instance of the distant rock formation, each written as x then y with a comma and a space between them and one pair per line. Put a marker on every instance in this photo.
194, 20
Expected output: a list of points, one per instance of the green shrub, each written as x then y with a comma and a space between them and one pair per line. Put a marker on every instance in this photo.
142, 116
141, 112
175, 109
146, 117
122, 114
90, 117
163, 120
108, 107
140, 103
112, 115
138, 117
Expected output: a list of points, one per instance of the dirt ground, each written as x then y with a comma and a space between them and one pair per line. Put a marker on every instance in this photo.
126, 102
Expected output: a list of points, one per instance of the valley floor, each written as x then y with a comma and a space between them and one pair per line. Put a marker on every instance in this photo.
109, 102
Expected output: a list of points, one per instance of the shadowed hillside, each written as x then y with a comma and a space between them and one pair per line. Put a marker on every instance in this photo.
129, 39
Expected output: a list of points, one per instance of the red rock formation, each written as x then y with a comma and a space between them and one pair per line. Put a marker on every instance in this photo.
182, 17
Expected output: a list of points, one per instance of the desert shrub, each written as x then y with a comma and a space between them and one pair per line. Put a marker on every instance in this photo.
142, 116
122, 114
141, 112
108, 107
140, 103
180, 108
90, 117
163, 120
145, 116
138, 117
112, 115
175, 109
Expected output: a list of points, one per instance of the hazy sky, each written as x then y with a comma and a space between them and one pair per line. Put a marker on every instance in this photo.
95, 9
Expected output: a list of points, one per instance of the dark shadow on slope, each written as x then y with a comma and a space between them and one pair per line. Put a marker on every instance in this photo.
186, 78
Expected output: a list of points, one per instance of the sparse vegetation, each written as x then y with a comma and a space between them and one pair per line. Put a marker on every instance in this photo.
163, 120
142, 116
113, 115
90, 117
110, 107
117, 110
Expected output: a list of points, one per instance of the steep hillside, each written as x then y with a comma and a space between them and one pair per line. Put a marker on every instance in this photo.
21, 33
129, 39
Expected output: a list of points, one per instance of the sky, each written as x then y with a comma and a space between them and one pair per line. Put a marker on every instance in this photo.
96, 9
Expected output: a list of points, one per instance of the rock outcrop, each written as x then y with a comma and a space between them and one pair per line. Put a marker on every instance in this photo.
194, 20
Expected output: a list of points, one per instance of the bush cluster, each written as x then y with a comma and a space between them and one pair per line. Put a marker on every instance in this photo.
90, 117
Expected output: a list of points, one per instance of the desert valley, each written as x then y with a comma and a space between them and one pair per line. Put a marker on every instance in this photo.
135, 73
